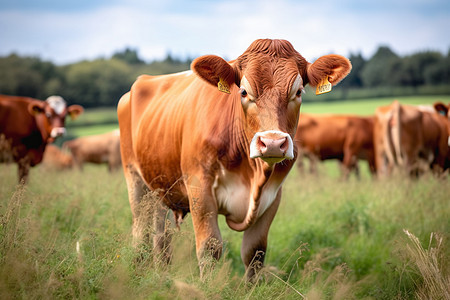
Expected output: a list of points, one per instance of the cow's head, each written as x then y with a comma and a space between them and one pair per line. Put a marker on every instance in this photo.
269, 78
50, 116
444, 110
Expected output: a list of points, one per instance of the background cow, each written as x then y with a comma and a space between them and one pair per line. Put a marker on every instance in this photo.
342, 137
97, 149
27, 125
56, 159
411, 138
219, 141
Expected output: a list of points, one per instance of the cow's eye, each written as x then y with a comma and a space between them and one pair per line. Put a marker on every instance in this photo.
299, 93
243, 92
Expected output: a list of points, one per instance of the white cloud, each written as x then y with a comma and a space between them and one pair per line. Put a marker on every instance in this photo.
224, 28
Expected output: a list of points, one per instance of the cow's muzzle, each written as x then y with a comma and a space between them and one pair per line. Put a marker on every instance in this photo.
272, 146
57, 132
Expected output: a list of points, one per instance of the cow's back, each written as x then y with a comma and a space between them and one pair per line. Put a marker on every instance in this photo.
55, 158
153, 118
322, 135
16, 121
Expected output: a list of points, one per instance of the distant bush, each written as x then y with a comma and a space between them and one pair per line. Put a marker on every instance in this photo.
101, 82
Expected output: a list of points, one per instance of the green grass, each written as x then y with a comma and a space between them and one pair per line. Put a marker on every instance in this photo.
366, 106
331, 239
68, 235
91, 130
93, 121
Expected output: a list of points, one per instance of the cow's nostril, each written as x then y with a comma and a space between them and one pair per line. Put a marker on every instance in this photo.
285, 145
261, 145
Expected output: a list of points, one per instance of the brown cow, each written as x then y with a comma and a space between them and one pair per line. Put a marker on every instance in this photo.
342, 137
97, 149
444, 110
218, 141
27, 125
407, 136
56, 159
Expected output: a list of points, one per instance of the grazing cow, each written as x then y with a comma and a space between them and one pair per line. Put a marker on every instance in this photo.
444, 110
56, 159
27, 125
218, 140
407, 136
342, 137
97, 149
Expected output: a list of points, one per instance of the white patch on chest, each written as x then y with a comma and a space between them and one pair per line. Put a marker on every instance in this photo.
233, 194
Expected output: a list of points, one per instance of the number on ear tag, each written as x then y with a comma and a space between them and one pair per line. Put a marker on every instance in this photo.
324, 86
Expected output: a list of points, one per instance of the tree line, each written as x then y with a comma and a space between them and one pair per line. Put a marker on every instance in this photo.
101, 82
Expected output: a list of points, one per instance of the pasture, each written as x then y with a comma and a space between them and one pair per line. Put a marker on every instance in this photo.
68, 235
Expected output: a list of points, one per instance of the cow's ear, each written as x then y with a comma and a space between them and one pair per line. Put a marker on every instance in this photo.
75, 111
441, 108
36, 107
214, 70
333, 67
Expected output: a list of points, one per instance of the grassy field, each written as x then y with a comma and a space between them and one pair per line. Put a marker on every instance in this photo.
366, 106
68, 235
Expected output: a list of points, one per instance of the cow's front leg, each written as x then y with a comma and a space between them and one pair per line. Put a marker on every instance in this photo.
254, 242
204, 218
163, 233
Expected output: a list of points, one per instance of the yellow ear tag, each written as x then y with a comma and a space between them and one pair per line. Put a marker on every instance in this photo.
223, 86
324, 86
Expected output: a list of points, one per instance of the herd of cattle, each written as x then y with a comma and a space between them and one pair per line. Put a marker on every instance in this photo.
221, 139
411, 139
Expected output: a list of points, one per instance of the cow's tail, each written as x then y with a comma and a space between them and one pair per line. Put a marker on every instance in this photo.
395, 129
385, 121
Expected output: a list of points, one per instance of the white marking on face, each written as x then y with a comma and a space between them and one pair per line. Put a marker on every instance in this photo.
58, 131
57, 103
248, 88
297, 85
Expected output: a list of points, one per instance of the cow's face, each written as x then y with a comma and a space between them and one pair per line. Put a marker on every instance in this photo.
444, 110
270, 78
50, 116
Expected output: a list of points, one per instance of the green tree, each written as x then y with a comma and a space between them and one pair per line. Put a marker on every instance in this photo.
354, 78
24, 76
378, 71
129, 56
416, 65
97, 83
438, 73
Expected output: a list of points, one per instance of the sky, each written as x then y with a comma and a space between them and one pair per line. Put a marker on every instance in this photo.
67, 31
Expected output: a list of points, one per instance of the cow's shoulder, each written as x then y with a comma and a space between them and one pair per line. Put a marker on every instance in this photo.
147, 87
